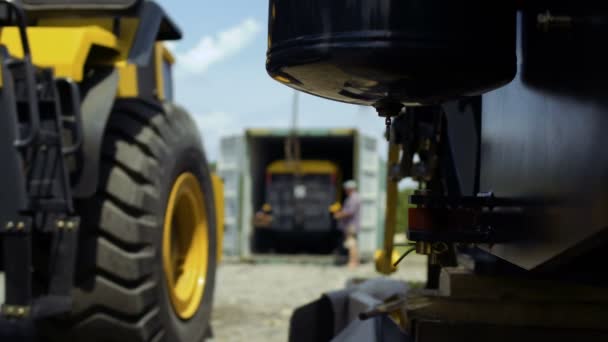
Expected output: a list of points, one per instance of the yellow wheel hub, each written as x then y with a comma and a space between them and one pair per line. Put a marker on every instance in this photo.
185, 245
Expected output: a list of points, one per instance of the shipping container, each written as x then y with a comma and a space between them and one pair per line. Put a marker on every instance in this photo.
244, 161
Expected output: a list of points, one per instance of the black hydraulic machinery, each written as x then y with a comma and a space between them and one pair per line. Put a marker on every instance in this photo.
498, 110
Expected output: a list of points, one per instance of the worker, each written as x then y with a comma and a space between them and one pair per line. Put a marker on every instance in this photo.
348, 221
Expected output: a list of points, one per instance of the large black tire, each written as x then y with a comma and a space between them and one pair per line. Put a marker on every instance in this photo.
122, 292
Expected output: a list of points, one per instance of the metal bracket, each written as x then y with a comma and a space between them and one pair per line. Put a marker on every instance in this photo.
63, 261
67, 224
18, 226
17, 255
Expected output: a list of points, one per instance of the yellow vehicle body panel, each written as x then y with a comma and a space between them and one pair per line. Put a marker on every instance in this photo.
303, 166
317, 167
128, 28
65, 49
218, 191
65, 44
128, 86
162, 55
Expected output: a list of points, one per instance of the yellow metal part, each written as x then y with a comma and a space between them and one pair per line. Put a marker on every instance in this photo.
218, 191
379, 259
168, 55
334, 208
400, 319
158, 70
65, 44
258, 131
282, 79
162, 55
128, 28
185, 245
384, 260
128, 85
342, 131
66, 55
303, 166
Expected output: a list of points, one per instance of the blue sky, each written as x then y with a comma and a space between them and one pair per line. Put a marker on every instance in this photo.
220, 76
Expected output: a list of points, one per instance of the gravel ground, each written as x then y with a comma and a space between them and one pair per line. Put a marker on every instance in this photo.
254, 301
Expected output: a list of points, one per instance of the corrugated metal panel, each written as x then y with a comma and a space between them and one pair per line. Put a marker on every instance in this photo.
229, 167
218, 197
246, 206
368, 173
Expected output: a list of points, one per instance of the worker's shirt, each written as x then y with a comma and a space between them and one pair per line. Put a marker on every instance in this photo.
352, 207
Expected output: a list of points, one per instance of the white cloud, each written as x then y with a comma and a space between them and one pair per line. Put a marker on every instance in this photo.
213, 49
215, 121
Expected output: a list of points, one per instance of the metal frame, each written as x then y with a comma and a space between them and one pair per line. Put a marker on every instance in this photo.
37, 121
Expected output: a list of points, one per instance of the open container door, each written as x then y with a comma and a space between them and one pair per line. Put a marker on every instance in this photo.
230, 165
368, 172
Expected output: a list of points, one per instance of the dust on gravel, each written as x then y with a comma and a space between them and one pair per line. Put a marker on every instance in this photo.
254, 301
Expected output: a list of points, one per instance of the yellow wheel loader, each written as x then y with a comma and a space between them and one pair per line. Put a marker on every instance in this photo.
109, 229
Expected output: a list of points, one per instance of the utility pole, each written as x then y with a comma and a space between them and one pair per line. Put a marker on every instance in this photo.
292, 143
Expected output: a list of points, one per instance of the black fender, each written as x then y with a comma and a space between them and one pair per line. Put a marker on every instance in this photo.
98, 101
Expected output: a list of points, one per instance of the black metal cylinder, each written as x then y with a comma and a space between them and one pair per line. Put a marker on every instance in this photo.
409, 51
